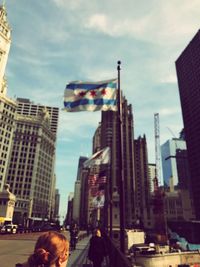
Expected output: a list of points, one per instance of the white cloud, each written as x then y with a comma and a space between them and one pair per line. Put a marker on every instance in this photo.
171, 78
169, 111
166, 22
99, 22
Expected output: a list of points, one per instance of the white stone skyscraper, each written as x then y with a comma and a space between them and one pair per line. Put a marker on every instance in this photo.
5, 41
7, 105
31, 167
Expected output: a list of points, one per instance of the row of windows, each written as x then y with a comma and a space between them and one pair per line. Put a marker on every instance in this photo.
7, 113
16, 147
26, 135
40, 195
31, 107
21, 205
3, 202
4, 30
2, 162
21, 193
23, 160
4, 131
22, 166
7, 120
29, 128
3, 155
21, 179
13, 171
20, 185
6, 141
29, 159
8, 107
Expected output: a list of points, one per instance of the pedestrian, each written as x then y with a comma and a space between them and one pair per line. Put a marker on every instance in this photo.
97, 249
51, 250
74, 230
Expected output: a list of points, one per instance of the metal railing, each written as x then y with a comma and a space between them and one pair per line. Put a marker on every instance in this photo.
116, 257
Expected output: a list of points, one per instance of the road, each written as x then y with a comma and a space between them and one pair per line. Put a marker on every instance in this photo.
16, 248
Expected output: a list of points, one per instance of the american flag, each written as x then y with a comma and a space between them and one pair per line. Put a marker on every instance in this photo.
92, 180
102, 179
93, 191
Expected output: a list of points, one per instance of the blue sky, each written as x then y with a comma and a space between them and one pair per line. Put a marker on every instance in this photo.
57, 41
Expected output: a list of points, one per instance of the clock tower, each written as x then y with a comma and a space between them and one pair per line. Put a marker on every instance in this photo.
5, 41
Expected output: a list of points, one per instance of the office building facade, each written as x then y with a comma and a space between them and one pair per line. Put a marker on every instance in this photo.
188, 74
5, 42
142, 183
7, 124
29, 108
169, 159
7, 105
152, 175
30, 170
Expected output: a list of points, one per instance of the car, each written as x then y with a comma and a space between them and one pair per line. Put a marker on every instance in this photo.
9, 229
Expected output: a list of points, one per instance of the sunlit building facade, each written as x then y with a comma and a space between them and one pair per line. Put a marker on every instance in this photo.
7, 105
31, 168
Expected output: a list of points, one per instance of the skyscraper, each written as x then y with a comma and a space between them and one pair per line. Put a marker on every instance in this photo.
5, 41
31, 167
142, 182
169, 159
188, 73
7, 105
80, 193
152, 175
110, 137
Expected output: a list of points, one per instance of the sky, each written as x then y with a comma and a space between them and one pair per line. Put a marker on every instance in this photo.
58, 41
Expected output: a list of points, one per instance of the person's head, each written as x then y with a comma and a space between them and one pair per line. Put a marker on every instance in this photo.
97, 232
51, 249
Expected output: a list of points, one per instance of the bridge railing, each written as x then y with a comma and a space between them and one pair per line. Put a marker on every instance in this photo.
116, 257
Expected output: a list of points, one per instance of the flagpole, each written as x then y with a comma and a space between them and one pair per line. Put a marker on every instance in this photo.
110, 195
121, 164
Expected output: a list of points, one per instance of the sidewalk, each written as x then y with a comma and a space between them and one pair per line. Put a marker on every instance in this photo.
78, 255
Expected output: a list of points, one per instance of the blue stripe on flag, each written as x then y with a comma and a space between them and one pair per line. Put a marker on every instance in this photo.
97, 102
90, 86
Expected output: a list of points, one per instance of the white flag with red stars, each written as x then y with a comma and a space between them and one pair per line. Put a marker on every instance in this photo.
100, 157
91, 96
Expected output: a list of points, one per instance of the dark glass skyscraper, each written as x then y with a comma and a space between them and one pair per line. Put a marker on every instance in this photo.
188, 73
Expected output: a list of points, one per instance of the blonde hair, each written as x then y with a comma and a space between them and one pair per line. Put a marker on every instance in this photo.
97, 232
49, 249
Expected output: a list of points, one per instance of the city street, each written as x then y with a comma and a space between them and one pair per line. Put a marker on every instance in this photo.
17, 248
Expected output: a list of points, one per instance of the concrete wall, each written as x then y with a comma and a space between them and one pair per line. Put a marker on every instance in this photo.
169, 259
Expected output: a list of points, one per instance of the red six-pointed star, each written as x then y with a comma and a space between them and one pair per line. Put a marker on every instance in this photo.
82, 93
103, 92
93, 93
